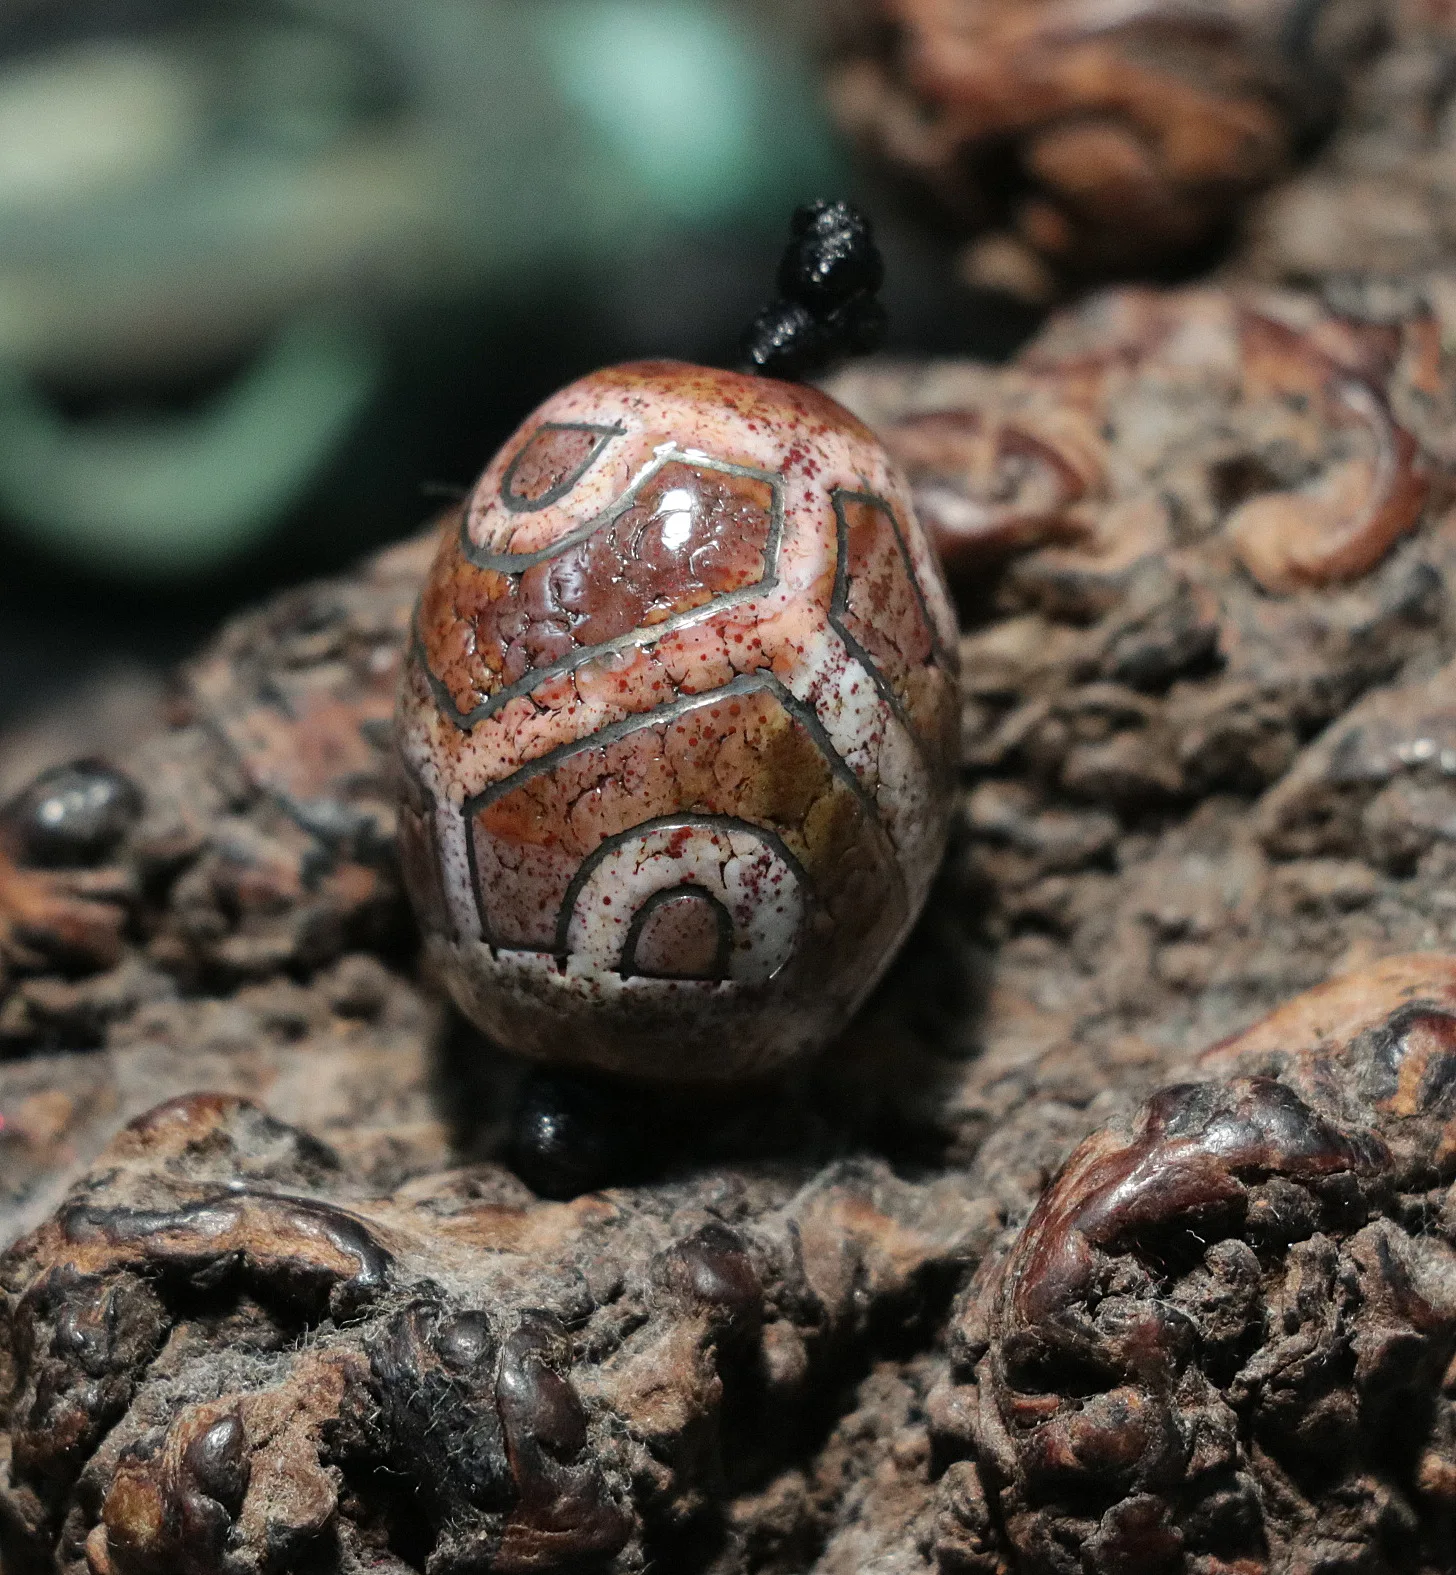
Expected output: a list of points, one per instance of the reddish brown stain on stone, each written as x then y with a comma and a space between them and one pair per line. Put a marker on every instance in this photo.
681, 598
680, 938
550, 459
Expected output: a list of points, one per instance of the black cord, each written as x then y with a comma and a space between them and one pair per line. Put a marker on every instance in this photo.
827, 309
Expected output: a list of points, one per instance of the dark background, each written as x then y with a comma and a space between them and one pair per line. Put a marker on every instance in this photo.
464, 361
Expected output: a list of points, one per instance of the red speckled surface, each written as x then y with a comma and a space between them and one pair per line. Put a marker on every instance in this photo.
678, 727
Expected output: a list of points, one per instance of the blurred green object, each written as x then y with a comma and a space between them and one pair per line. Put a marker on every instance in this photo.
678, 98
273, 186
177, 493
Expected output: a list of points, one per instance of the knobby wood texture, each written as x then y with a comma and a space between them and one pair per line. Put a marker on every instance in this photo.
301, 1317
1067, 141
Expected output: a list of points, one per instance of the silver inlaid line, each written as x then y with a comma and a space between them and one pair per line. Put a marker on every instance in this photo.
744, 684
645, 636
679, 822
519, 505
839, 602
723, 920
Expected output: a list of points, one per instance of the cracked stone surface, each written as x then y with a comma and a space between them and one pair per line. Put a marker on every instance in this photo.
307, 1319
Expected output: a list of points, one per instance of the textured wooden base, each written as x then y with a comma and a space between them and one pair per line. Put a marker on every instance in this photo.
357, 1342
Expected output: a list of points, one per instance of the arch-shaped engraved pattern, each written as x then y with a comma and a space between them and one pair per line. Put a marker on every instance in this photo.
518, 562
662, 907
765, 579
873, 559
573, 464
529, 835
745, 870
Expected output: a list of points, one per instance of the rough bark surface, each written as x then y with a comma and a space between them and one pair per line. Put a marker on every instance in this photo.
1210, 761
245, 930
224, 1353
1064, 142
1071, 141
1376, 198
1224, 1337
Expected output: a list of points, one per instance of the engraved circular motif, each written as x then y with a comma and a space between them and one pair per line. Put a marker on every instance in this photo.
680, 932
678, 727
758, 888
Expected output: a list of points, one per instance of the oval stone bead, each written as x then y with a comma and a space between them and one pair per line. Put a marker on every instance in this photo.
678, 729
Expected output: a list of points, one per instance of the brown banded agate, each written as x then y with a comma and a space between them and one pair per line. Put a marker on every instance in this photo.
678, 727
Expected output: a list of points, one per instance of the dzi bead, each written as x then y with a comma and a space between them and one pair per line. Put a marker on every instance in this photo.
679, 725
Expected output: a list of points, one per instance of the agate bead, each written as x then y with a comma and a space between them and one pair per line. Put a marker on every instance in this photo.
678, 729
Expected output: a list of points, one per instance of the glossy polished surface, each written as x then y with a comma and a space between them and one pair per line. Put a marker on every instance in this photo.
679, 726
